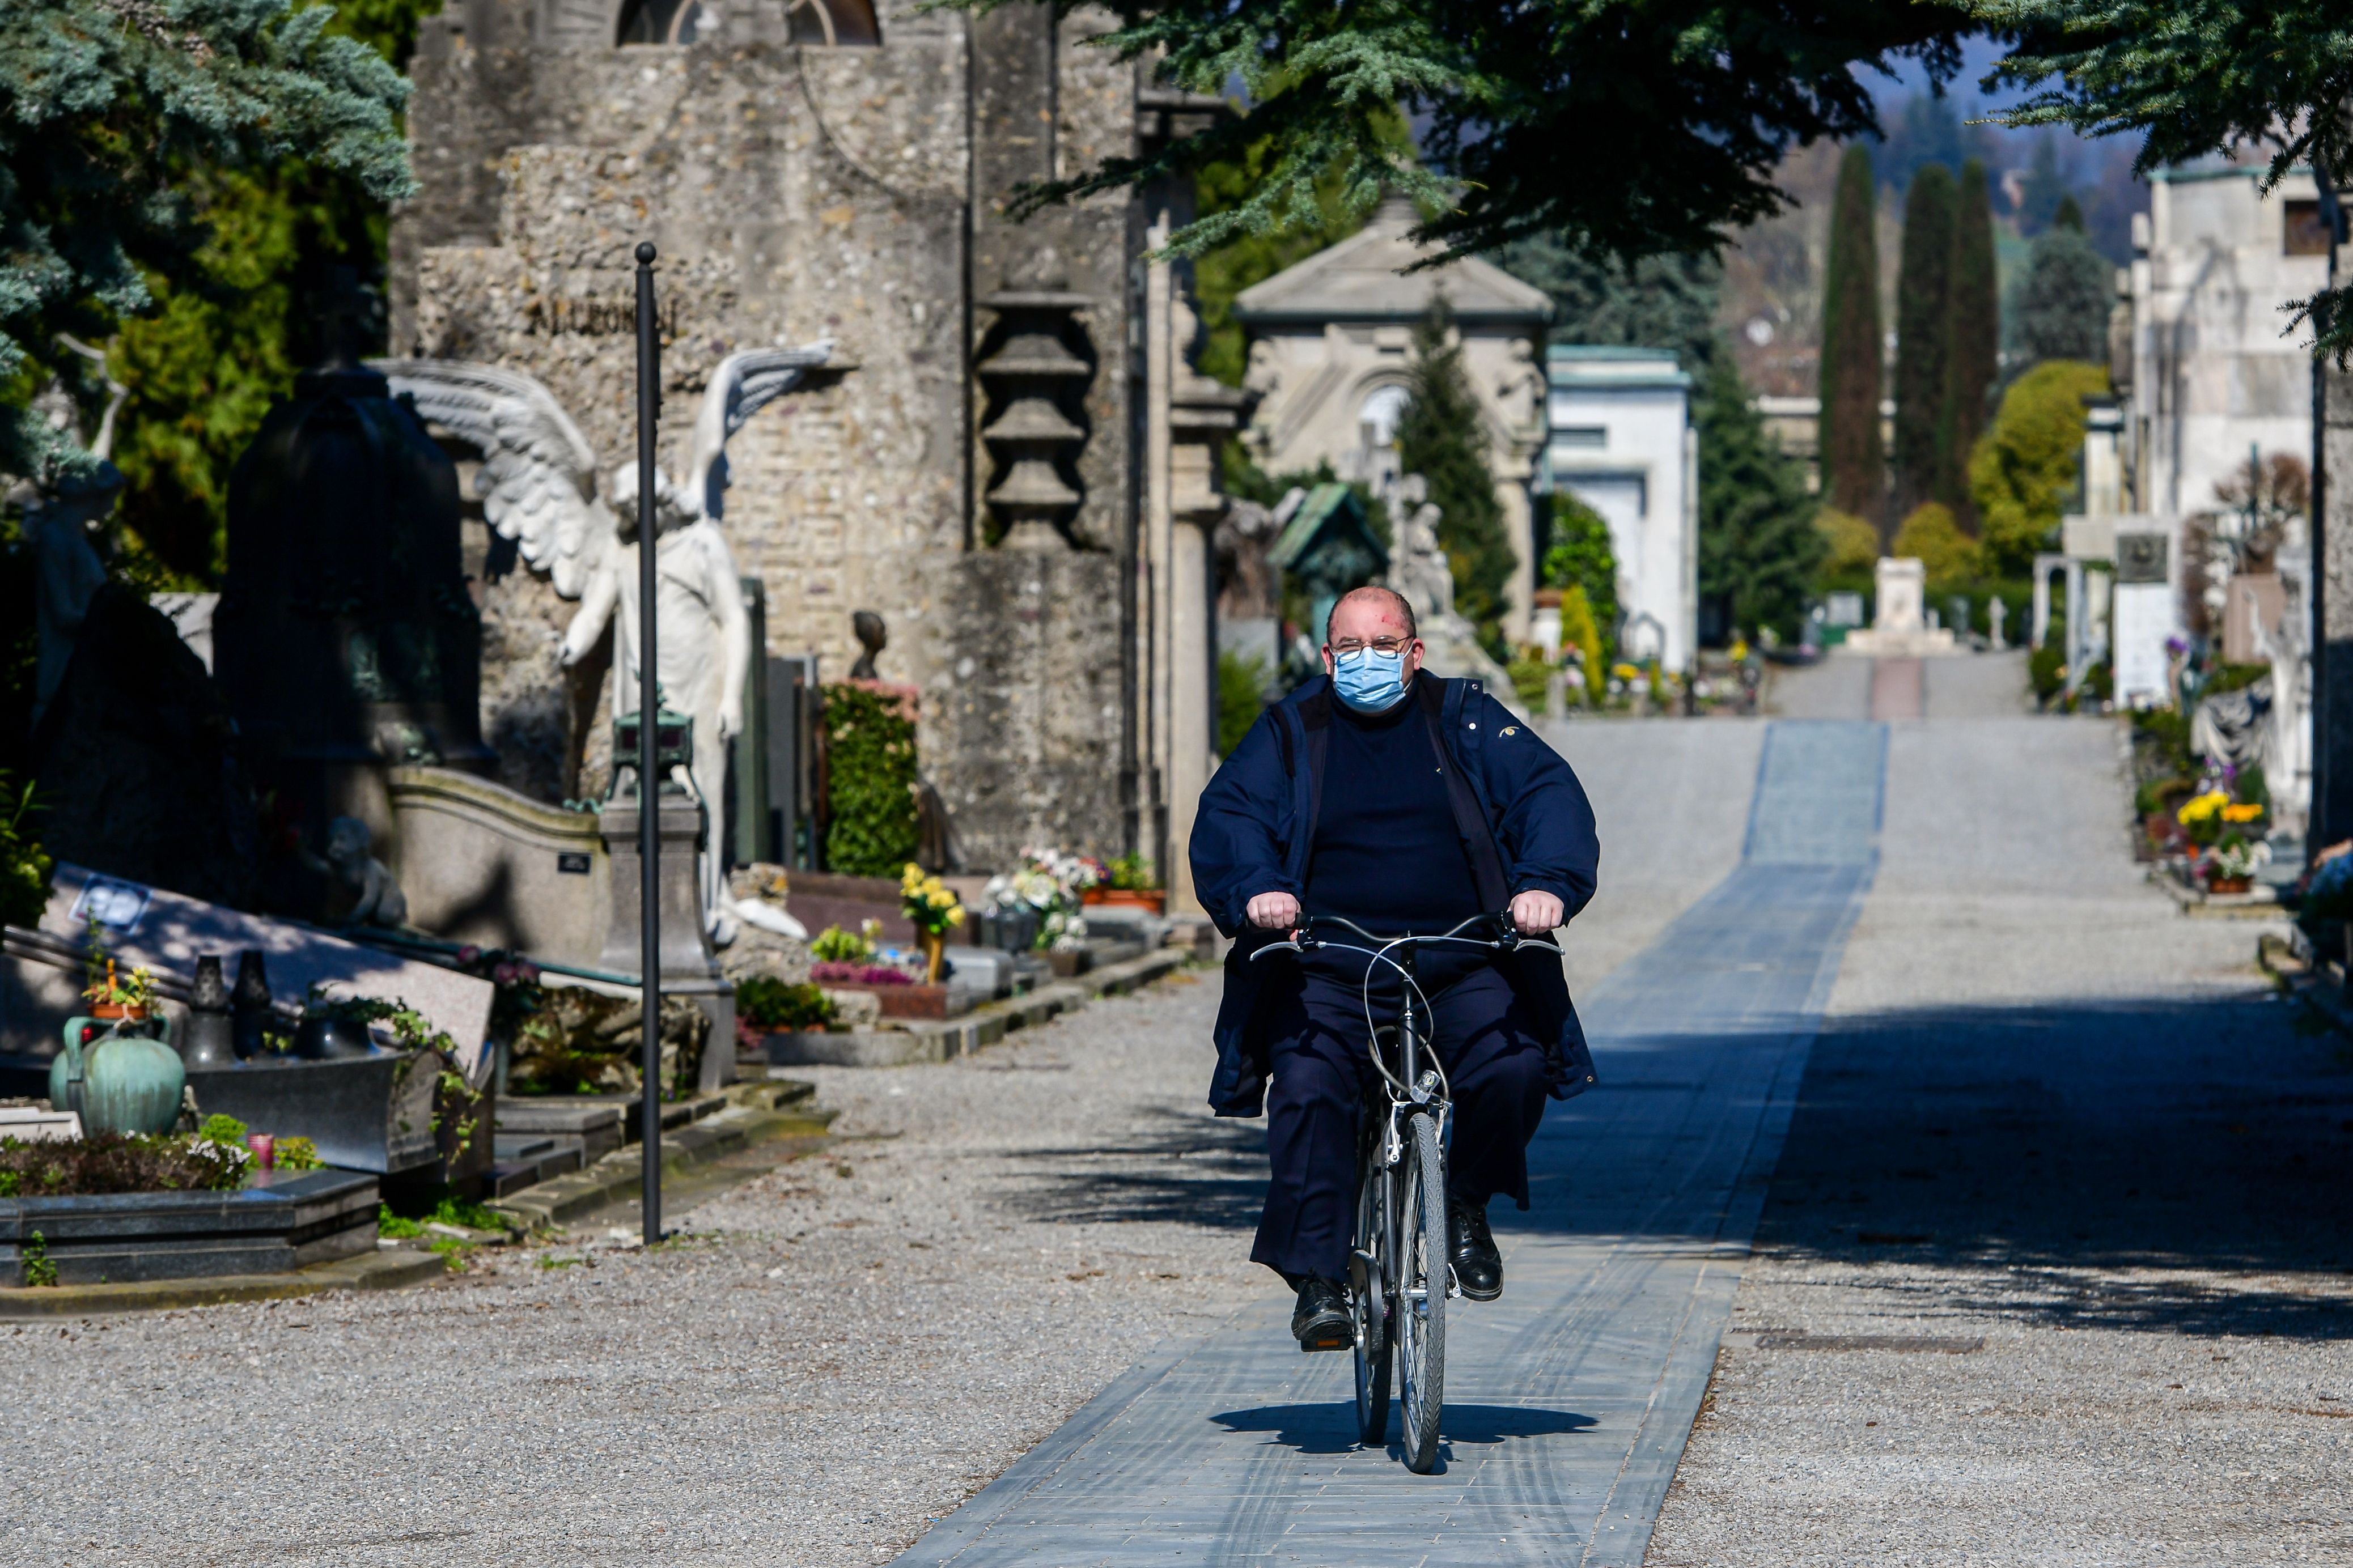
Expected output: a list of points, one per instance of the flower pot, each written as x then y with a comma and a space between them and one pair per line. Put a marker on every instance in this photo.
2229, 884
935, 955
118, 1082
1151, 900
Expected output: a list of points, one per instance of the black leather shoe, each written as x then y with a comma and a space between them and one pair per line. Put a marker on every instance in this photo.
1320, 1321
1478, 1266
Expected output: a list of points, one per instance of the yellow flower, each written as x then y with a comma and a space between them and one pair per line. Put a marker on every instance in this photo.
2246, 812
955, 915
2203, 807
1625, 672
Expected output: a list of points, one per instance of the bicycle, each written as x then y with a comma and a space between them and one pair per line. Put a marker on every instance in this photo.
1399, 1251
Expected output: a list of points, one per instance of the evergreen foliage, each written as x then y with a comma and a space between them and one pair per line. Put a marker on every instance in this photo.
2059, 306
1656, 302
1924, 329
1852, 460
1443, 436
2027, 465
869, 761
1252, 257
108, 110
1696, 103
1579, 556
2190, 77
1973, 356
1757, 541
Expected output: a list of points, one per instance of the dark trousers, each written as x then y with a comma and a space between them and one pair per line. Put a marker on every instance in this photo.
1318, 1054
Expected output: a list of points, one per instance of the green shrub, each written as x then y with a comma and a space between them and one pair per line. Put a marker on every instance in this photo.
1242, 688
1854, 545
1931, 533
2046, 669
2026, 465
24, 868
218, 1129
871, 782
766, 1002
1529, 678
1581, 557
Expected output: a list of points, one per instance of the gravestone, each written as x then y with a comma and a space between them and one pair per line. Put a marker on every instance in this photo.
1900, 626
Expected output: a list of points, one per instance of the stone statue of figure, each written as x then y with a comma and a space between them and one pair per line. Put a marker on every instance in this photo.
1420, 569
874, 636
57, 519
378, 900
539, 487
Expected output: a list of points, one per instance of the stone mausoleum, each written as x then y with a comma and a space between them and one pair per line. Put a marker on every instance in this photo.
980, 464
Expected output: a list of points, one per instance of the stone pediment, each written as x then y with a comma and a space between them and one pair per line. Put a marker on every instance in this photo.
1364, 278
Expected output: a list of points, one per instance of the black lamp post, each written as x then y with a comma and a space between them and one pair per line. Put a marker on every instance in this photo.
649, 713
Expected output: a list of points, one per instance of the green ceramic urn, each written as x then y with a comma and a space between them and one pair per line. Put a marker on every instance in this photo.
120, 1082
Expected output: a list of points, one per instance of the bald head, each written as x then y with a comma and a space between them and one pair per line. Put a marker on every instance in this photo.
1392, 609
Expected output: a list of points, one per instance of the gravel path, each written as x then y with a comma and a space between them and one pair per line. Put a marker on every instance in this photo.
832, 1356
2050, 1114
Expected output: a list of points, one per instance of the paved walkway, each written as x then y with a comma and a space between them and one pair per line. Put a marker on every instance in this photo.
1569, 1401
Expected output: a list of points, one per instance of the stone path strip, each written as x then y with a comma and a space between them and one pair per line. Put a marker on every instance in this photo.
2057, 1266
1569, 1401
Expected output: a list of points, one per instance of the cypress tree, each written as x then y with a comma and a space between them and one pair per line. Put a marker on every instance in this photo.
1442, 436
1757, 541
1974, 358
1853, 463
1923, 332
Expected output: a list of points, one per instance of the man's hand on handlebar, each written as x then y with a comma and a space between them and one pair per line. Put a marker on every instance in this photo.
1280, 911
1533, 912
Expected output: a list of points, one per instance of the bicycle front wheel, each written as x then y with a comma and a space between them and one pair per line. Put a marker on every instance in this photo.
1423, 1275
1369, 1303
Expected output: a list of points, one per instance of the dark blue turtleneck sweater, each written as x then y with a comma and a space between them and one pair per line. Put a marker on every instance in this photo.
1387, 852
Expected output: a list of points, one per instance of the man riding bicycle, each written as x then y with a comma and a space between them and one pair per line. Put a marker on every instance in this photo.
1406, 803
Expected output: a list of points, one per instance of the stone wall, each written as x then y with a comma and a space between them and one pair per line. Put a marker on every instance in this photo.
799, 192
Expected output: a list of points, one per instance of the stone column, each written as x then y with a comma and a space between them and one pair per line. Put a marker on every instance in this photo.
2332, 571
1160, 834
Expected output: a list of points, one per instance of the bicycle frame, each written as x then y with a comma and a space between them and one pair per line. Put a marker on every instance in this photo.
1397, 1299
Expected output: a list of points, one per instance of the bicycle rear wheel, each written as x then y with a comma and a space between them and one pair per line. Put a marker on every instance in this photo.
1370, 1300
1422, 1275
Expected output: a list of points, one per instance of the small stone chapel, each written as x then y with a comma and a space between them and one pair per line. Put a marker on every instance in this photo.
999, 458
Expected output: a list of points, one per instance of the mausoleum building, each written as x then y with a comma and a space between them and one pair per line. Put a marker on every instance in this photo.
975, 463
1331, 353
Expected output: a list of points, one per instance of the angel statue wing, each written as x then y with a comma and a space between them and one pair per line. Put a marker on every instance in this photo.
743, 383
538, 479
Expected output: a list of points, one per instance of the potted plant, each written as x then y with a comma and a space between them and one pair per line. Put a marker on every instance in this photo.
934, 910
109, 1073
2231, 865
1128, 882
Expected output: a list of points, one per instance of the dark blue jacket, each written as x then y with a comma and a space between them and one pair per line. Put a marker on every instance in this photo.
1526, 824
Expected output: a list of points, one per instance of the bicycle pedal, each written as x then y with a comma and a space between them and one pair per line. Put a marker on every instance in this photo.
1341, 1342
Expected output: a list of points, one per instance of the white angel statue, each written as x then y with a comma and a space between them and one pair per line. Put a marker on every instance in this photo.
538, 488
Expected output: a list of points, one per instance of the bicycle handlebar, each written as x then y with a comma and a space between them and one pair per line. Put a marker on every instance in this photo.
1305, 940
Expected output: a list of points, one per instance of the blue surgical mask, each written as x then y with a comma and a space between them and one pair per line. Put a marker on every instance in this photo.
1368, 681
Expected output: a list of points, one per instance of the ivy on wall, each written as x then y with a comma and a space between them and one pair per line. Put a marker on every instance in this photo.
869, 737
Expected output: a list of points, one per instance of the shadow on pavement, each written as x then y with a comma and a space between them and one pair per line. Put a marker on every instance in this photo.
1191, 1170
1330, 1427
2148, 1141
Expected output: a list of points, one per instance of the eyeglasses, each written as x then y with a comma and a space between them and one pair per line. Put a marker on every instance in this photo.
1383, 646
